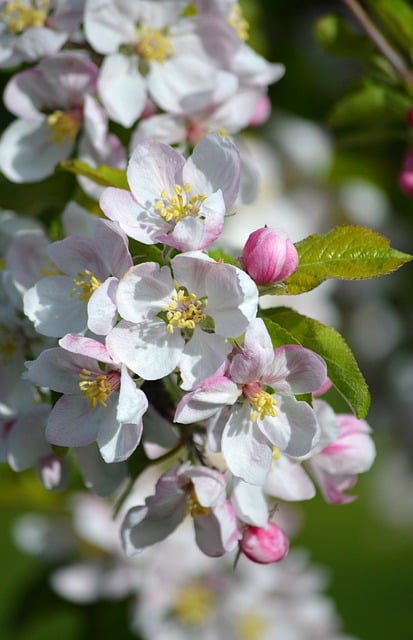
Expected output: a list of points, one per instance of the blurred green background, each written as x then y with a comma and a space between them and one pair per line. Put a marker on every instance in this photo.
366, 545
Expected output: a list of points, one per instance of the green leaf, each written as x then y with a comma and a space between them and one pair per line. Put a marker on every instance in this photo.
103, 175
370, 105
221, 255
342, 367
349, 252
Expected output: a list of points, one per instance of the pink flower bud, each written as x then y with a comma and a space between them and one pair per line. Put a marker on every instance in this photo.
409, 117
264, 545
406, 175
269, 256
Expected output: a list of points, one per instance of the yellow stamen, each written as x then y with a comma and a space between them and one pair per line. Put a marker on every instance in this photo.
63, 127
250, 626
179, 206
238, 22
98, 387
8, 346
19, 15
184, 312
194, 605
276, 454
87, 283
262, 403
152, 45
193, 508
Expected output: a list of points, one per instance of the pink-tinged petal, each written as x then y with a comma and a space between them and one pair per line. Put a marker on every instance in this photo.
52, 308
249, 503
107, 27
206, 400
329, 424
190, 270
86, 347
73, 423
287, 480
120, 206
26, 442
122, 89
163, 127
146, 348
265, 544
232, 299
217, 532
101, 478
76, 253
182, 88
197, 233
145, 291
214, 165
102, 311
209, 485
302, 420
246, 450
132, 401
202, 357
113, 247
351, 454
332, 487
25, 93
162, 513
27, 153
117, 441
323, 389
254, 69
59, 370
38, 42
256, 356
296, 370
153, 168
216, 426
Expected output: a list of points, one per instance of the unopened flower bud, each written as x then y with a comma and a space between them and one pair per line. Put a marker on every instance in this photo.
406, 175
265, 545
269, 256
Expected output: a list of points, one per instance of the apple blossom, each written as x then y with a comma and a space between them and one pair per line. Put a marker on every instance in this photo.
180, 318
149, 48
32, 29
98, 404
48, 102
351, 451
269, 256
185, 490
178, 202
84, 297
256, 405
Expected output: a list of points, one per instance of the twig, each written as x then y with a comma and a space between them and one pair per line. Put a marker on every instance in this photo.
380, 41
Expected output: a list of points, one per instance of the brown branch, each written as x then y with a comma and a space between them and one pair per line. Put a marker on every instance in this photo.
396, 60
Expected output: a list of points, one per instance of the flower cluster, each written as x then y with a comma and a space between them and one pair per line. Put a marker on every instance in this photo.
131, 340
175, 591
99, 60
170, 355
